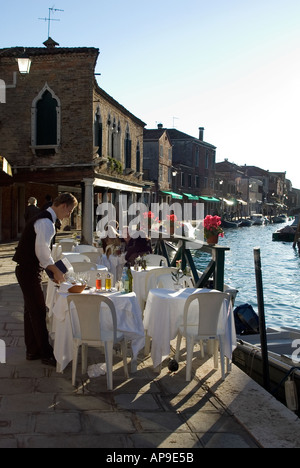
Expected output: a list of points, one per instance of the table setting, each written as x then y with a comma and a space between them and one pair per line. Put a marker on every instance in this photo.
163, 315
129, 322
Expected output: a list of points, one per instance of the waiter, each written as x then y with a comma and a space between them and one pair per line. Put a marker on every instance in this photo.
33, 256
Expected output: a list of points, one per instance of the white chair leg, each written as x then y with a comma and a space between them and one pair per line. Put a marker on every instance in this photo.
84, 357
147, 344
178, 344
216, 354
74, 363
201, 348
210, 347
109, 363
189, 357
124, 354
222, 358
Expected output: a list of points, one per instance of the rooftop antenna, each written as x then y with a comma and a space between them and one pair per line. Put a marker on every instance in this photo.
49, 19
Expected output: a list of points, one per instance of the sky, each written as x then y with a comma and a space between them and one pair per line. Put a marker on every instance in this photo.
230, 66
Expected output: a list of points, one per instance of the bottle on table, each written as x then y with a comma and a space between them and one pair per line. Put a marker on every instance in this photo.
125, 281
129, 274
98, 282
108, 282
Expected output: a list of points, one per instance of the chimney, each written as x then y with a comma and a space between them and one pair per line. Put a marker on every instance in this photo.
50, 43
201, 133
160, 125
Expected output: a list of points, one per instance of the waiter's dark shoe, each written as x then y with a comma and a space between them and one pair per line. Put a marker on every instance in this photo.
32, 357
50, 361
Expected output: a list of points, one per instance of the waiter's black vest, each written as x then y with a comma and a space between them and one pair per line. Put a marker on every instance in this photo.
25, 252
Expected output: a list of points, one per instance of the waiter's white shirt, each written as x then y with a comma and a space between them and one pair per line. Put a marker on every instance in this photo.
45, 231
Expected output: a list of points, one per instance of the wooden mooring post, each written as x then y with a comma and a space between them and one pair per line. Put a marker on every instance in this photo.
262, 322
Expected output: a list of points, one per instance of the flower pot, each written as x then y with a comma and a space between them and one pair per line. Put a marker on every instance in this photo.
212, 239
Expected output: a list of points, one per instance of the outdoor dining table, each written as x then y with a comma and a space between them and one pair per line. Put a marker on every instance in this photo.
52, 289
164, 314
139, 283
129, 322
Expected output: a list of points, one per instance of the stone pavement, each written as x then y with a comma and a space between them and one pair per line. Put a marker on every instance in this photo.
40, 408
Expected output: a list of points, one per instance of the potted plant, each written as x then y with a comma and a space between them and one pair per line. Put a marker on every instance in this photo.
212, 229
148, 215
172, 220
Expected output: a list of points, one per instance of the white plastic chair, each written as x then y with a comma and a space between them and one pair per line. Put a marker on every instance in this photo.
94, 257
232, 292
155, 260
82, 248
167, 282
202, 324
91, 333
67, 245
151, 283
76, 257
79, 267
152, 275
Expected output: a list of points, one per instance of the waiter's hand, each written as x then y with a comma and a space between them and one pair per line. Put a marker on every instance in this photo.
58, 276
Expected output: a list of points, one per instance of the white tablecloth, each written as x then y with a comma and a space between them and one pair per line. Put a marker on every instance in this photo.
129, 322
139, 284
115, 265
164, 314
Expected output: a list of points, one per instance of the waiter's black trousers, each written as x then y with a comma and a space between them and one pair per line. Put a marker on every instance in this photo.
35, 328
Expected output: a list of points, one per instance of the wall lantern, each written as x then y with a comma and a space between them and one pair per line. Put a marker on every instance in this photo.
24, 63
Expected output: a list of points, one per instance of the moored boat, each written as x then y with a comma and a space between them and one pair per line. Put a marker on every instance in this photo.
279, 219
230, 224
245, 222
287, 233
258, 219
283, 361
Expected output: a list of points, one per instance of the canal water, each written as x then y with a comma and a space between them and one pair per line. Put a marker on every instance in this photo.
280, 272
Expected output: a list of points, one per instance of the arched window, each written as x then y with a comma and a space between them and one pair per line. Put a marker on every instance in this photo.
127, 148
98, 132
45, 120
138, 158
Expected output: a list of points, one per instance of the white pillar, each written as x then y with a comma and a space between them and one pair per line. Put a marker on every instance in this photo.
88, 211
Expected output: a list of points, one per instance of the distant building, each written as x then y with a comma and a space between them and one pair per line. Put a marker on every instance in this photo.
158, 163
186, 166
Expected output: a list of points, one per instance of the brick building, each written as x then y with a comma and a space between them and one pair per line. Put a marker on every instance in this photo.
60, 131
158, 163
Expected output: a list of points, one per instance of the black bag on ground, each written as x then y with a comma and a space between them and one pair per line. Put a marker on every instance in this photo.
246, 320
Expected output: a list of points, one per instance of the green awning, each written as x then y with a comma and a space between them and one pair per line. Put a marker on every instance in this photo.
210, 199
174, 195
191, 197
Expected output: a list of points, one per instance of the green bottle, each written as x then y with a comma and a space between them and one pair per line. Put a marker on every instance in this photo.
129, 274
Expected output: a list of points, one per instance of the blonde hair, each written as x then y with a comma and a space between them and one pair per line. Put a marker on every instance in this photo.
65, 198
32, 201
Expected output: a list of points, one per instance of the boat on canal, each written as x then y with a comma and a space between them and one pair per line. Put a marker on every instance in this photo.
257, 219
287, 233
283, 344
279, 219
230, 224
245, 222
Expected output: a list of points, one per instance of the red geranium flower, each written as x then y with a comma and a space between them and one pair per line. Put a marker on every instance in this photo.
212, 226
